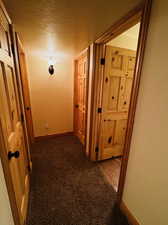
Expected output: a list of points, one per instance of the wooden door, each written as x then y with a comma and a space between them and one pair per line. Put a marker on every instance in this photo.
10, 118
118, 77
80, 96
25, 89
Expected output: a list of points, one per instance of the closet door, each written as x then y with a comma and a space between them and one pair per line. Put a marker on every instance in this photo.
80, 96
118, 77
10, 119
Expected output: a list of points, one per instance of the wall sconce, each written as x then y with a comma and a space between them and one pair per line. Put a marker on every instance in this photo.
51, 69
51, 66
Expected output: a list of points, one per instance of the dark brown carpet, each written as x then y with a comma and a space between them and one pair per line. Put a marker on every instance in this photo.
68, 189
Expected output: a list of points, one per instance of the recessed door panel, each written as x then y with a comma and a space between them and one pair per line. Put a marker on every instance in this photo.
120, 130
117, 62
125, 94
114, 85
130, 66
108, 133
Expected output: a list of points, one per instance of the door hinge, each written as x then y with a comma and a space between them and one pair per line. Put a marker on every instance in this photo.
97, 149
12, 48
29, 168
102, 61
99, 110
22, 117
97, 153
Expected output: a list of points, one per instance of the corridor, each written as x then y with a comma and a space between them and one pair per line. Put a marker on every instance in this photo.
66, 188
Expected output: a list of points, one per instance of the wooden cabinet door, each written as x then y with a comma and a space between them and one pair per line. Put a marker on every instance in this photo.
80, 96
118, 77
10, 120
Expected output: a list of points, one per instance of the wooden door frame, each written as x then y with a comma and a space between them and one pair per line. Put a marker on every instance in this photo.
25, 88
141, 13
87, 50
20, 93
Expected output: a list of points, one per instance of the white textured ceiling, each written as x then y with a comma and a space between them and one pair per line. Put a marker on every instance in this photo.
64, 24
133, 31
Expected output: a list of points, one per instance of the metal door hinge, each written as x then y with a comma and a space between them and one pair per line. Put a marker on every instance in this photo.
99, 110
29, 168
102, 61
12, 48
97, 149
22, 117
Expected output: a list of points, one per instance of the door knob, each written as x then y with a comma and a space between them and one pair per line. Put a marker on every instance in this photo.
13, 154
76, 106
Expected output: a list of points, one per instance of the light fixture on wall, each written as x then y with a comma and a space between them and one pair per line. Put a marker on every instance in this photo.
51, 66
51, 69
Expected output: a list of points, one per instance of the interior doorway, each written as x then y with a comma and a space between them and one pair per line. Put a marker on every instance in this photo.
120, 58
112, 110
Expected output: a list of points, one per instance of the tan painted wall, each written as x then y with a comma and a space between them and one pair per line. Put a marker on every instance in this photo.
51, 96
146, 188
5, 210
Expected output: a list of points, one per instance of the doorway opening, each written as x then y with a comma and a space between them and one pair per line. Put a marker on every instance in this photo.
112, 110
120, 58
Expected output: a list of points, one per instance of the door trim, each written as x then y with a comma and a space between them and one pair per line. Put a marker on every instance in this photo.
87, 50
20, 93
25, 88
139, 14
131, 219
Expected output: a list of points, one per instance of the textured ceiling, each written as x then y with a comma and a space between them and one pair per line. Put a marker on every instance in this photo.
64, 25
133, 31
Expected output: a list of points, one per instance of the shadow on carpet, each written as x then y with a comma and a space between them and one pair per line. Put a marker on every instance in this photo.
68, 189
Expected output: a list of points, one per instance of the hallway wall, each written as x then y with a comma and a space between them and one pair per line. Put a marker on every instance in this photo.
51, 96
146, 185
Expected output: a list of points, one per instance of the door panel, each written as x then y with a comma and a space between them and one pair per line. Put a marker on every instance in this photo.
114, 85
117, 62
108, 133
80, 96
118, 76
130, 65
11, 124
120, 132
125, 94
